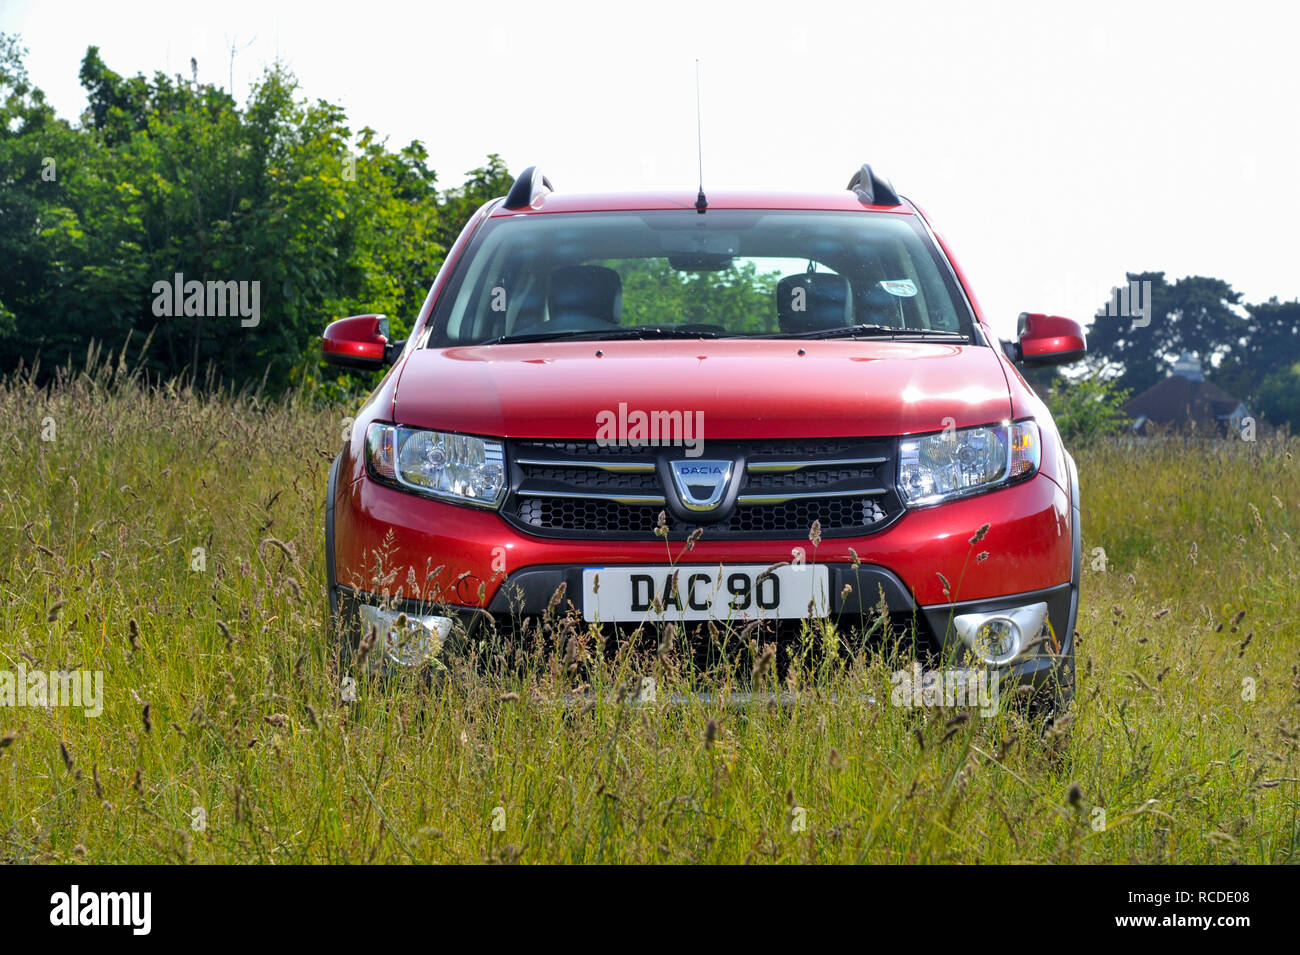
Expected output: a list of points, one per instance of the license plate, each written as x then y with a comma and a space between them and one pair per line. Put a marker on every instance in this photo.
738, 592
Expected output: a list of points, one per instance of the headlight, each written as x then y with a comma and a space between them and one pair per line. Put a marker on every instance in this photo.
950, 464
455, 467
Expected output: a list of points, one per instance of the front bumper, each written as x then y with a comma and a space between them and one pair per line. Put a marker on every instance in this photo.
537, 593
1005, 549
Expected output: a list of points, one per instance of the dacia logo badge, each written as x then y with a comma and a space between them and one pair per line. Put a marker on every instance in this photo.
701, 485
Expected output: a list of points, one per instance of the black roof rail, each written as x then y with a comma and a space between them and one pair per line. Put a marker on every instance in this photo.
527, 188
872, 189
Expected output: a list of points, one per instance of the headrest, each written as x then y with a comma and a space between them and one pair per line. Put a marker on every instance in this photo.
591, 291
812, 300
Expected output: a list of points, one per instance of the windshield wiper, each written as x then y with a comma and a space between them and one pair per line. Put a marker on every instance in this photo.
609, 334
673, 331
870, 331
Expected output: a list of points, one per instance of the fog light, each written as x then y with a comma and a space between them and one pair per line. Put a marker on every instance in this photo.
996, 638
404, 638
1000, 636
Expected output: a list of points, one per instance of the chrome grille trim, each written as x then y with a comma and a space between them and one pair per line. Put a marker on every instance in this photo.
781, 467
753, 499
639, 466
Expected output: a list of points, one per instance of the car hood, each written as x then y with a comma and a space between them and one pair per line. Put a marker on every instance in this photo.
743, 389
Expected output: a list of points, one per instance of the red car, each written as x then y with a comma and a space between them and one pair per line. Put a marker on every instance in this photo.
803, 385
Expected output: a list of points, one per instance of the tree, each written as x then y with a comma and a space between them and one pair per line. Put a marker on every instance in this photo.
1271, 348
167, 176
37, 151
1278, 397
1194, 315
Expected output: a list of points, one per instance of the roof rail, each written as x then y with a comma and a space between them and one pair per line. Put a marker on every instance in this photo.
527, 189
872, 189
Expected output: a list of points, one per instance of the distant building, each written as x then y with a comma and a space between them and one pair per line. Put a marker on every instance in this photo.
1185, 401
1189, 367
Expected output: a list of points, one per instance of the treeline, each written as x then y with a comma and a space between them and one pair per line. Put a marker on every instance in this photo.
1252, 351
225, 235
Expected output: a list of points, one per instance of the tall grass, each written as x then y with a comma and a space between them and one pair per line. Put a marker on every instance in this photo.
224, 737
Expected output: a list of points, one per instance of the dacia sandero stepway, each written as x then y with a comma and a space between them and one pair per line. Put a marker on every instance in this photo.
671, 408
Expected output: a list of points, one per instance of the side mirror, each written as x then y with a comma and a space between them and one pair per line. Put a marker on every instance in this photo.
359, 341
1048, 340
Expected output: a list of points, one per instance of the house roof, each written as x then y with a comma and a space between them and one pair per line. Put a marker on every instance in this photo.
1177, 400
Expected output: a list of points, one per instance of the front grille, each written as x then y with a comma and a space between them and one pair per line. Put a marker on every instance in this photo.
582, 489
835, 514
591, 515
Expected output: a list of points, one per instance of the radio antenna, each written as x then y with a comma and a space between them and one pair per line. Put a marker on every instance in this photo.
700, 202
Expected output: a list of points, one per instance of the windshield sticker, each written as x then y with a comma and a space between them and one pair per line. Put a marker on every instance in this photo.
903, 288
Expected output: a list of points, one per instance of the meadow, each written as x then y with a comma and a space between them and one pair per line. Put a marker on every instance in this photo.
171, 538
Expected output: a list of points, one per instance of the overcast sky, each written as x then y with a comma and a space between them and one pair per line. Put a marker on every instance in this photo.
1055, 148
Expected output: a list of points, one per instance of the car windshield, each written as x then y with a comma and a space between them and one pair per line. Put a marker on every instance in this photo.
726, 273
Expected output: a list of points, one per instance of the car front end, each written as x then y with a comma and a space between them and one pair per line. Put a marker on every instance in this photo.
537, 450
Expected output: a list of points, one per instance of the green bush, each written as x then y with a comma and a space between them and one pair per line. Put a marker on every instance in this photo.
1089, 408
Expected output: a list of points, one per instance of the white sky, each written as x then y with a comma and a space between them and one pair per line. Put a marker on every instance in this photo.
1055, 148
